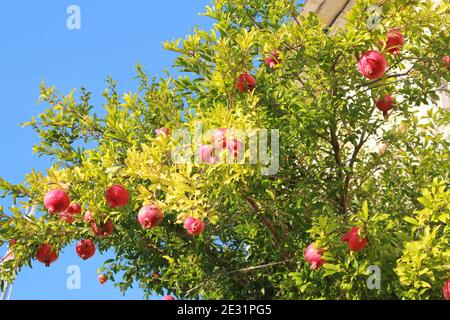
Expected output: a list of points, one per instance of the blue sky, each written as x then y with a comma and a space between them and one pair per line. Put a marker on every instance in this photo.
36, 45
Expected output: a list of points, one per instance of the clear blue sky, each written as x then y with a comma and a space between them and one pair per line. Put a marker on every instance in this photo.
36, 45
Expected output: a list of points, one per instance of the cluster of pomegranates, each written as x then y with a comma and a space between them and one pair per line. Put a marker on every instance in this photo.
209, 153
355, 241
57, 202
373, 65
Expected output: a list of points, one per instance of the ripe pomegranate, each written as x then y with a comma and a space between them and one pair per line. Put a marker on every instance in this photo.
314, 256
117, 196
234, 147
355, 242
446, 62
102, 279
103, 229
246, 82
155, 275
56, 201
168, 297
88, 217
272, 60
194, 226
207, 154
150, 216
446, 290
219, 138
46, 254
395, 41
163, 131
385, 104
67, 215
372, 64
85, 249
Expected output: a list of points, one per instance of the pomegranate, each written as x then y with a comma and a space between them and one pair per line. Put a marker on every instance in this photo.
117, 196
385, 104
88, 217
446, 290
219, 138
168, 297
395, 41
194, 226
207, 154
67, 215
150, 216
354, 241
85, 249
372, 64
272, 60
314, 256
446, 62
56, 201
155, 275
46, 254
234, 147
162, 131
246, 82
103, 229
102, 279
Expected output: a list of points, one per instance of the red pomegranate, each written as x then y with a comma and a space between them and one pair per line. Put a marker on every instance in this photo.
102, 279
150, 216
102, 230
117, 196
88, 216
85, 249
168, 297
219, 139
314, 256
446, 290
56, 201
272, 60
163, 131
246, 82
194, 226
446, 62
372, 64
395, 41
385, 104
234, 147
207, 154
46, 254
354, 241
67, 215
